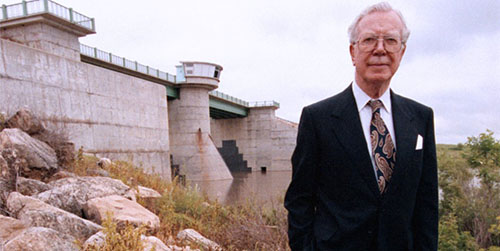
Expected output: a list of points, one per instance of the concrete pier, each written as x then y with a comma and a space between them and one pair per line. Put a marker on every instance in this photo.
192, 147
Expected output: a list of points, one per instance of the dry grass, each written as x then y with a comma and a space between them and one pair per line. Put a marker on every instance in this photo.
250, 226
124, 239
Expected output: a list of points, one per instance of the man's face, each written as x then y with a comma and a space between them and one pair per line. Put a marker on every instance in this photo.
377, 66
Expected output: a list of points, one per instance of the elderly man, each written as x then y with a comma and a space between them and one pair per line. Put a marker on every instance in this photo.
364, 168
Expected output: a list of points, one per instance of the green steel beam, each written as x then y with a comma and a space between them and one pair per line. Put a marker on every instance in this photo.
172, 92
218, 106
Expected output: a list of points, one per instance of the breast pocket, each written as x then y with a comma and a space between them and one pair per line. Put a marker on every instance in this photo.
418, 161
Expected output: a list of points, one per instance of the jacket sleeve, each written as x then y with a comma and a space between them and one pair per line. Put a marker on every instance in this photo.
300, 198
425, 216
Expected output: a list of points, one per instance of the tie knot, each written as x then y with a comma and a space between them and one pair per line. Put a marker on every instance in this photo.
375, 105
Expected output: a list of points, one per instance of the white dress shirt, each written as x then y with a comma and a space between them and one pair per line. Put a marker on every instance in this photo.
365, 114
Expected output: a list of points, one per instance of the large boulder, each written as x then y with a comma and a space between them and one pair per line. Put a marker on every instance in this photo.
123, 211
25, 121
41, 239
40, 157
30, 187
9, 228
71, 194
36, 213
190, 236
145, 193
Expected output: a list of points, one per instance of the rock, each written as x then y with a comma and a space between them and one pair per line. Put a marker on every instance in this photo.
4, 168
36, 213
190, 236
5, 189
41, 159
104, 163
97, 172
124, 211
153, 243
144, 193
65, 152
71, 194
16, 163
41, 239
61, 175
25, 121
149, 242
8, 179
30, 187
9, 228
58, 140
96, 240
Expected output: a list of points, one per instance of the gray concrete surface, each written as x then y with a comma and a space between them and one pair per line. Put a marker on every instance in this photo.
108, 113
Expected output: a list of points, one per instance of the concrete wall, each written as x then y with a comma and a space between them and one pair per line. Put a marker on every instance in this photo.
45, 37
264, 139
192, 147
108, 113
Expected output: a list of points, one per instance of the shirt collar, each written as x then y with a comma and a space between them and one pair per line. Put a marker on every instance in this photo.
362, 98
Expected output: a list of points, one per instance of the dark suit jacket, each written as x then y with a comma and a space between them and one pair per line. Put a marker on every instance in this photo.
333, 199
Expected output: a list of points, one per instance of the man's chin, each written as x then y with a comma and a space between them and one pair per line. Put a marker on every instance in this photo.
379, 79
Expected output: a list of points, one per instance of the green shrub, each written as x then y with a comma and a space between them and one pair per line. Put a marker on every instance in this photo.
126, 239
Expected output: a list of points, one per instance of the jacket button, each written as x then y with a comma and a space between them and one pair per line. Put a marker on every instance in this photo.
370, 232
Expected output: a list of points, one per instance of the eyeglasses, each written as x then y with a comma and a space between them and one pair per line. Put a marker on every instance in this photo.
368, 43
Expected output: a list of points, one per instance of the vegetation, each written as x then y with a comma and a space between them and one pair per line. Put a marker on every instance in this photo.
240, 227
469, 181
125, 239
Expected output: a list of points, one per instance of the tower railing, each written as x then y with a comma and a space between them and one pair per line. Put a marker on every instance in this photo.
125, 63
264, 104
27, 8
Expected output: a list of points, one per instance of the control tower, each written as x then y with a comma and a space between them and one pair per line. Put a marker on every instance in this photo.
193, 149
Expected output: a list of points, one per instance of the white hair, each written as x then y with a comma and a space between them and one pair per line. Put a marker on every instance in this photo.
379, 7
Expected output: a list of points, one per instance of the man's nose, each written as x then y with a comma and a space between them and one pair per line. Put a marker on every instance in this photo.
379, 46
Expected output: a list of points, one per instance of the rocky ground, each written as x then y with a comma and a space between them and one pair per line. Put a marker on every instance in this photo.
45, 207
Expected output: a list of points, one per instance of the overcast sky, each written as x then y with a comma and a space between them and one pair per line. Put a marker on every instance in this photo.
296, 52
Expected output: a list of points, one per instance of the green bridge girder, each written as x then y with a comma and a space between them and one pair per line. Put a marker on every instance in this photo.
222, 109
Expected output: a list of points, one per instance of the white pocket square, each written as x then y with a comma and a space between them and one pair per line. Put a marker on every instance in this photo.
420, 142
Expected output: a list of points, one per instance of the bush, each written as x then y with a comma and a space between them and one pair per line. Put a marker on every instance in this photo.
126, 239
470, 185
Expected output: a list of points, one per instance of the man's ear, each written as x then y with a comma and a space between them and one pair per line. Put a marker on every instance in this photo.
351, 50
403, 50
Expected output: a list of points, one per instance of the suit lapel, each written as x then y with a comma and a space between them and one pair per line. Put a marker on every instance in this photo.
347, 128
406, 138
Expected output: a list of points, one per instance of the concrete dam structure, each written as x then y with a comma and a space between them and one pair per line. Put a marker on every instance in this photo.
123, 110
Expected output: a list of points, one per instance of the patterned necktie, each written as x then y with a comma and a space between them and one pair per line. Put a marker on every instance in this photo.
382, 147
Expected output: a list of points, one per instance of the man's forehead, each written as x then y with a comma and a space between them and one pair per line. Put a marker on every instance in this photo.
381, 19
394, 34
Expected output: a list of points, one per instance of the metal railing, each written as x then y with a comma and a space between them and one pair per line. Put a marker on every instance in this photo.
229, 98
26, 8
238, 101
264, 103
125, 63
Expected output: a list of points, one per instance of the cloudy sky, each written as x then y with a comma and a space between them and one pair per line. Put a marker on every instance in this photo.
296, 52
